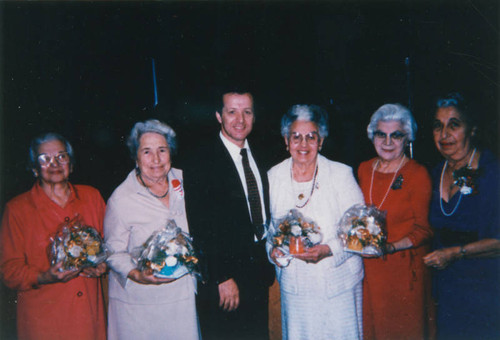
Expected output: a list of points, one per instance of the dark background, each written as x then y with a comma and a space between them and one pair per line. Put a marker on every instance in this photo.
83, 69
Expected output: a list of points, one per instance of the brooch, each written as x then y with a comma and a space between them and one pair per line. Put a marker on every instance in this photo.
398, 183
465, 179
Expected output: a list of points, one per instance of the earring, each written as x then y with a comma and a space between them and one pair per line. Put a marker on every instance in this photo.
411, 149
35, 173
287, 148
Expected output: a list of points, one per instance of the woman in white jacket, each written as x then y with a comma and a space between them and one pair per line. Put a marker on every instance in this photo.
321, 289
142, 305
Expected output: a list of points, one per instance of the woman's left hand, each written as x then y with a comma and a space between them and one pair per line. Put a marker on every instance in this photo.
314, 254
440, 259
95, 271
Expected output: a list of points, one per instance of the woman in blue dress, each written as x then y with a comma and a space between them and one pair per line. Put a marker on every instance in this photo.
465, 215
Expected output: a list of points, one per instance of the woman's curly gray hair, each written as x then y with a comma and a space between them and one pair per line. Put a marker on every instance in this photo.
307, 113
151, 125
393, 112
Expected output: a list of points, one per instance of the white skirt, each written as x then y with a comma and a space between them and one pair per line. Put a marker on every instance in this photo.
316, 317
163, 321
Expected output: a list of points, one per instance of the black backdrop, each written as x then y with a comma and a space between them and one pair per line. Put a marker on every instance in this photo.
84, 69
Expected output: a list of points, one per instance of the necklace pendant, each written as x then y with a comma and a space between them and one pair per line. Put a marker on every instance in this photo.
301, 196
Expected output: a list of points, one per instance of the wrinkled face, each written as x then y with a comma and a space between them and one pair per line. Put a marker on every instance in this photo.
153, 156
389, 140
304, 142
451, 134
237, 117
54, 162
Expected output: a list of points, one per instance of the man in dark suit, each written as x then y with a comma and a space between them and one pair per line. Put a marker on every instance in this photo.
227, 206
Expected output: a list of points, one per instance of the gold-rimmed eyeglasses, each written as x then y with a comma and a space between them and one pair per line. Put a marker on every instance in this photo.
312, 138
61, 158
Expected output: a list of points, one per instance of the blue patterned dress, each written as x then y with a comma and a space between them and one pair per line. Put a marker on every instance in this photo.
468, 290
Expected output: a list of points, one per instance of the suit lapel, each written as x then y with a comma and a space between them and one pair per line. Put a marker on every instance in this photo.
227, 167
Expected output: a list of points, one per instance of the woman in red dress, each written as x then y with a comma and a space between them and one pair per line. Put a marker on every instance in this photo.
51, 303
396, 287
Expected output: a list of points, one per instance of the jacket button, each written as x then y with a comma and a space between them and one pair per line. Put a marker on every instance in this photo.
79, 294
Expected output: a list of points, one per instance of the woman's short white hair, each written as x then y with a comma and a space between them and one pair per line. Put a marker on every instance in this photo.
151, 125
307, 113
393, 112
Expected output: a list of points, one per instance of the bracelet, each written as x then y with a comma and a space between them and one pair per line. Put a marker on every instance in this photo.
392, 251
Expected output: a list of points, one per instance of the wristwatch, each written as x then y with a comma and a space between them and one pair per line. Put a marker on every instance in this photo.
463, 252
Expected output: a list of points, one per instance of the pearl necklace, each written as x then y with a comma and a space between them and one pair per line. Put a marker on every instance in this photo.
441, 188
312, 187
149, 190
390, 185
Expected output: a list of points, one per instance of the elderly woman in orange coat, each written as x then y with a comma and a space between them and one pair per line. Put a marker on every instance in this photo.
51, 303
396, 288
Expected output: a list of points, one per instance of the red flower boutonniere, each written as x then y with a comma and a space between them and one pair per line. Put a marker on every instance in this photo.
176, 184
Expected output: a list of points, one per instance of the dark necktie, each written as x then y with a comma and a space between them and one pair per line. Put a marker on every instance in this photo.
253, 196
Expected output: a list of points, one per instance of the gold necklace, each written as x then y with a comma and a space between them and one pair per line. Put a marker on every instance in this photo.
390, 185
301, 195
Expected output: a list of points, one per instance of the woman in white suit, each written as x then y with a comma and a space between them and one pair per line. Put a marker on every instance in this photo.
321, 289
141, 305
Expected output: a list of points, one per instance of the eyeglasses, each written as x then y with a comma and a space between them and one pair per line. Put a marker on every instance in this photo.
312, 138
396, 136
45, 160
